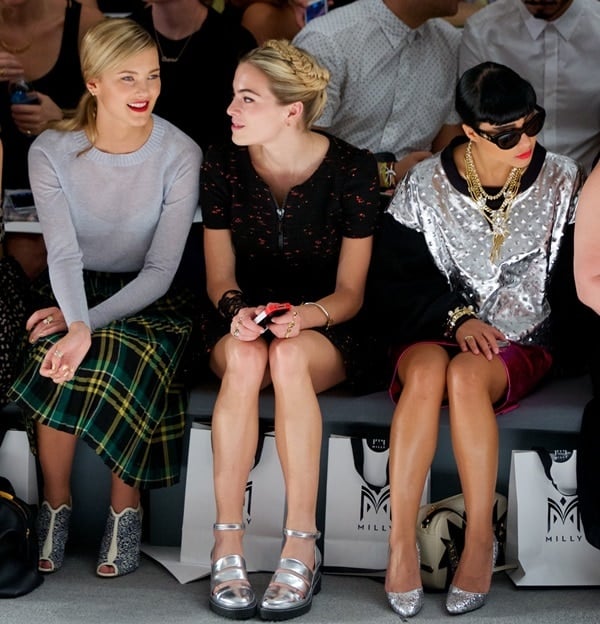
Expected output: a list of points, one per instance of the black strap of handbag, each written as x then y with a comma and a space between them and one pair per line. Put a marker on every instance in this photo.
544, 455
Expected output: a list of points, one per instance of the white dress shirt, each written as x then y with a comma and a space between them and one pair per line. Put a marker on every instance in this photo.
561, 59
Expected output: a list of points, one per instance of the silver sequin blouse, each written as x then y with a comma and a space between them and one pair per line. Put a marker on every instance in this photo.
510, 294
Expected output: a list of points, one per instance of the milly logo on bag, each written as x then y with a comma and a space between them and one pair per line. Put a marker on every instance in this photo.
563, 514
374, 510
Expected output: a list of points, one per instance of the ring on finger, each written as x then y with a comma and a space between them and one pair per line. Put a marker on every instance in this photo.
469, 337
58, 353
48, 319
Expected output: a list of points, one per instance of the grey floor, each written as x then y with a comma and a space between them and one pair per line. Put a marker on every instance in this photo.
152, 596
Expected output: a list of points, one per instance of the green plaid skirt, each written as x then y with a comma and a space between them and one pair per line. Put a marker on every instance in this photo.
126, 400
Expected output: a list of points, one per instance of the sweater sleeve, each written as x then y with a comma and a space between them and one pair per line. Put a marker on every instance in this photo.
165, 250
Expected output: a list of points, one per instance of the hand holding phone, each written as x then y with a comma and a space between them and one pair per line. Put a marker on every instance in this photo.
271, 310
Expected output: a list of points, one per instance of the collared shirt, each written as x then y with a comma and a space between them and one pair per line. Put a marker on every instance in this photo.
391, 87
559, 58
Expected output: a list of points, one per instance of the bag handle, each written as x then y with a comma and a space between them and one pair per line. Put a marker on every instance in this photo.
546, 459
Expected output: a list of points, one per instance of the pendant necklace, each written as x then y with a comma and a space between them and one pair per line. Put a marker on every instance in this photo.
170, 59
498, 217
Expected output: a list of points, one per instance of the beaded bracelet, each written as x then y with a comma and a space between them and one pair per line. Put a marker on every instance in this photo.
456, 318
387, 175
323, 309
231, 302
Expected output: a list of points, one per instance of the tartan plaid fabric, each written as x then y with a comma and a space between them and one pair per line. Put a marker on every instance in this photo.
126, 400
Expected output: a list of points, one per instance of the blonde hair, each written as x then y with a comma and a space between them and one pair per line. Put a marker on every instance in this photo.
294, 75
104, 47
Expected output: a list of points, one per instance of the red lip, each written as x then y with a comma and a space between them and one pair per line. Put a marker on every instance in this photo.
139, 108
525, 155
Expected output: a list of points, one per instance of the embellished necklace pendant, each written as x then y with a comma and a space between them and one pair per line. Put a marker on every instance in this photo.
168, 59
497, 242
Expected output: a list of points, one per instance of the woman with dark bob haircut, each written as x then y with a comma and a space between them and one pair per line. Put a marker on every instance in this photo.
472, 243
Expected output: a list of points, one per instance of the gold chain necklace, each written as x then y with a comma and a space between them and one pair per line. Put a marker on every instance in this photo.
12, 50
497, 218
170, 59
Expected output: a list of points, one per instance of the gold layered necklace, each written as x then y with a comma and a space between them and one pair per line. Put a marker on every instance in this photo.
496, 217
171, 59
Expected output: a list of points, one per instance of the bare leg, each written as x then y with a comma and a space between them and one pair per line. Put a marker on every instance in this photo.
413, 438
123, 495
242, 366
56, 450
474, 384
300, 368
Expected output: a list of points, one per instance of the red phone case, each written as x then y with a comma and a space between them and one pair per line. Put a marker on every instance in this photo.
271, 310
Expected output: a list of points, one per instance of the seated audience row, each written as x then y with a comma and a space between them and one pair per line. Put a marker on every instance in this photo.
477, 291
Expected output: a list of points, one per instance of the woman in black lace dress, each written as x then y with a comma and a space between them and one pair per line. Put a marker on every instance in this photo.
12, 312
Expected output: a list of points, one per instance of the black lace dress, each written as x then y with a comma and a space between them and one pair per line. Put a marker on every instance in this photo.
13, 292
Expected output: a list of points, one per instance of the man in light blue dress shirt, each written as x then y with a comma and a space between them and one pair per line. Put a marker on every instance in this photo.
555, 46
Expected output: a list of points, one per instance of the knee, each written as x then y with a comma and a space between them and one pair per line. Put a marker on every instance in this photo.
463, 377
427, 370
247, 360
287, 359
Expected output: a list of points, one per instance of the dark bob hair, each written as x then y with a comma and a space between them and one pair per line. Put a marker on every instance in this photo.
493, 93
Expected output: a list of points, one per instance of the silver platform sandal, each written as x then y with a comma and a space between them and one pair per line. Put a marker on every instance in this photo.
293, 585
231, 594
460, 601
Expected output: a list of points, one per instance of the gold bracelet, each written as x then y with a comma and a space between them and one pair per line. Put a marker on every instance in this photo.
455, 315
387, 175
323, 309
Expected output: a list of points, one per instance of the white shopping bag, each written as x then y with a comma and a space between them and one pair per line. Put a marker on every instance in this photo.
544, 532
18, 465
263, 507
357, 516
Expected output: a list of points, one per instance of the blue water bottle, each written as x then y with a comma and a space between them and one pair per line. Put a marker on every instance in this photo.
21, 92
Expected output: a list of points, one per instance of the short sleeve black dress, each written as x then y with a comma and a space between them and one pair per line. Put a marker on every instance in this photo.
290, 252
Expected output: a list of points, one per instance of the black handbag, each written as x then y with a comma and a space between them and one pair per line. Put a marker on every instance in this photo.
18, 544
588, 467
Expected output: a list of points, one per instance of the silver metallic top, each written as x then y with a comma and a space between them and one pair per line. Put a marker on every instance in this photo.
510, 294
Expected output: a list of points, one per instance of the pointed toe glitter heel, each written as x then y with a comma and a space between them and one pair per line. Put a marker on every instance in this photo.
459, 601
231, 594
120, 546
407, 604
53, 532
293, 585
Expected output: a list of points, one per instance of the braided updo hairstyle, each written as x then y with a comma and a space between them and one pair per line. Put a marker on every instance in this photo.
294, 75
